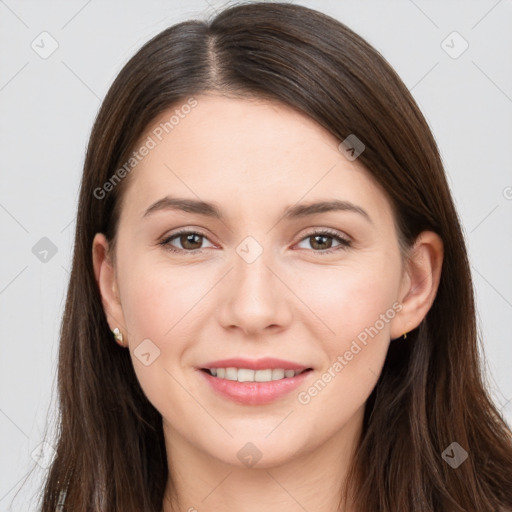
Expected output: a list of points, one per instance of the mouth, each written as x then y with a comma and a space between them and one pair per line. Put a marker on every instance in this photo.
250, 387
249, 375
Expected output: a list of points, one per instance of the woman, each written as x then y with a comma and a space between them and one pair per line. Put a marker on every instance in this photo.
315, 348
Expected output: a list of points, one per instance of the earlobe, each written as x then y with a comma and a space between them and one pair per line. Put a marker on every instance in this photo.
420, 283
106, 279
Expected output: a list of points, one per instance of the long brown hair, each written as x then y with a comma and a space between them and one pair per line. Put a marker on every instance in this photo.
431, 393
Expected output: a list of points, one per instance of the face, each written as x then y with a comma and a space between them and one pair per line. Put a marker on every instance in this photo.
317, 288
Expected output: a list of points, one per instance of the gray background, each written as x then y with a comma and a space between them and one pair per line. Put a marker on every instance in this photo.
47, 109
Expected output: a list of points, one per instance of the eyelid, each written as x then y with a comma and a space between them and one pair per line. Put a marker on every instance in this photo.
344, 240
327, 231
164, 241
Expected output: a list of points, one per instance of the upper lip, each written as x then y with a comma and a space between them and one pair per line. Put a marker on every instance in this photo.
254, 364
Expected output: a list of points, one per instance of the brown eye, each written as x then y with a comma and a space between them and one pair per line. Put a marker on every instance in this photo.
190, 241
322, 242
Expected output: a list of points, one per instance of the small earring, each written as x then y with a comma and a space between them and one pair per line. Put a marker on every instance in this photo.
118, 335
405, 335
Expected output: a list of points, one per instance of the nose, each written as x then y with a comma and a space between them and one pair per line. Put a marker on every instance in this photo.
254, 298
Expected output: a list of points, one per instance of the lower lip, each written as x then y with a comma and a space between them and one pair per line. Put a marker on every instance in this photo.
255, 393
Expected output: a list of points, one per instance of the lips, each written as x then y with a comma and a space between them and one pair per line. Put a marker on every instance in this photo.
254, 364
254, 392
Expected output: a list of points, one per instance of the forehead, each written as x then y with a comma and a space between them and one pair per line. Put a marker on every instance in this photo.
255, 153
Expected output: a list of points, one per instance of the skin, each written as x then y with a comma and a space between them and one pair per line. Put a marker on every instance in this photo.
253, 158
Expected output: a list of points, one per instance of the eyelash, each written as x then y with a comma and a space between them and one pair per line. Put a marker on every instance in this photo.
344, 243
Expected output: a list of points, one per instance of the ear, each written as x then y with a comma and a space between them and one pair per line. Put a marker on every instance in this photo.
420, 282
105, 274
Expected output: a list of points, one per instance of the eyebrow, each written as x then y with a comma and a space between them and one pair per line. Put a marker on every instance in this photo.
291, 212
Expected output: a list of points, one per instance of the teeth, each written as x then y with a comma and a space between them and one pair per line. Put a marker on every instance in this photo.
245, 375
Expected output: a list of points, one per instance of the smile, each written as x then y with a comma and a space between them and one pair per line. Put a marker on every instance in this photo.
248, 375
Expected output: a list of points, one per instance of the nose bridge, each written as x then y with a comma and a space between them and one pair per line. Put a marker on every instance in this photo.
252, 269
254, 300
252, 274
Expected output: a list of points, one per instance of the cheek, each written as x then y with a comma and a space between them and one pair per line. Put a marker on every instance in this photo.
162, 310
357, 307
348, 298
157, 299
